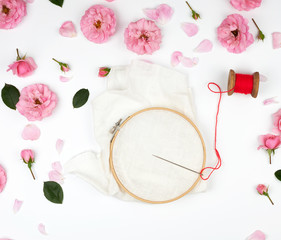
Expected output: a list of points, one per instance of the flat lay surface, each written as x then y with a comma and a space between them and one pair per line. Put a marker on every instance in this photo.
230, 207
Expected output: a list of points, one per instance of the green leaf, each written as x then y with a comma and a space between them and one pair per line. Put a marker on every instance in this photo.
80, 98
10, 96
57, 2
53, 192
278, 174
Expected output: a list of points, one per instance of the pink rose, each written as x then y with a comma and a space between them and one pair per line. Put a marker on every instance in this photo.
23, 67
98, 24
3, 178
245, 4
233, 34
104, 71
27, 155
270, 143
11, 13
36, 102
143, 37
263, 190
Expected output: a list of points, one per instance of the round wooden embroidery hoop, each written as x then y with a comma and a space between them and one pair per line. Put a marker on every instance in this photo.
112, 146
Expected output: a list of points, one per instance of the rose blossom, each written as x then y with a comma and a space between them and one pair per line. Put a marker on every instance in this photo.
270, 143
245, 4
277, 121
98, 24
143, 37
22, 67
27, 156
233, 33
36, 102
3, 178
104, 71
263, 190
11, 13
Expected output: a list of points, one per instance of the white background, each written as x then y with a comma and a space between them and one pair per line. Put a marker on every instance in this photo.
230, 208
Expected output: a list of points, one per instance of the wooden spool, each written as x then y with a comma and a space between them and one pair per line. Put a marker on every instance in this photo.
232, 81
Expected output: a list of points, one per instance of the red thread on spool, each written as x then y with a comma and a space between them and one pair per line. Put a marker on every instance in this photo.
240, 83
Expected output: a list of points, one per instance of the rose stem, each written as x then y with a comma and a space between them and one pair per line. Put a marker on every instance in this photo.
56, 60
32, 173
256, 24
18, 53
189, 6
270, 199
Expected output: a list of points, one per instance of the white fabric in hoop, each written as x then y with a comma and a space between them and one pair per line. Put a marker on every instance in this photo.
132, 88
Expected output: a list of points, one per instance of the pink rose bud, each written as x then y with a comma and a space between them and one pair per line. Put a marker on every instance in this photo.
104, 71
270, 143
27, 156
64, 67
23, 67
263, 190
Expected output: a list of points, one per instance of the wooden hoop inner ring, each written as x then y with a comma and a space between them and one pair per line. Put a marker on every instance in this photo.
112, 146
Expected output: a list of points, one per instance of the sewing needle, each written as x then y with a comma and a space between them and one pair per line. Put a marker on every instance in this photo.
176, 164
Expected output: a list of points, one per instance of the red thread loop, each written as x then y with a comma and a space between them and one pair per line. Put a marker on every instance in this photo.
218, 165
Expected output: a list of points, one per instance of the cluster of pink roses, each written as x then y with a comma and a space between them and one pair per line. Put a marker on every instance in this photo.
270, 142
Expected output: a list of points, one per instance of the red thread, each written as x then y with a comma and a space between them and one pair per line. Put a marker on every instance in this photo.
243, 84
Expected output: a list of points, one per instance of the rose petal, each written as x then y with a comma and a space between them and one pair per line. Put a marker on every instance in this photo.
257, 235
189, 28
56, 176
204, 46
17, 205
5, 239
3, 178
189, 62
263, 78
270, 101
67, 29
31, 132
41, 228
30, 1
162, 14
109, 0
59, 145
57, 166
276, 40
64, 79
176, 58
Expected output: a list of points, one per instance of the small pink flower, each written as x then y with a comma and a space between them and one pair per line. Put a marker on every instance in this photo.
36, 102
11, 13
64, 67
245, 4
277, 121
263, 190
98, 24
27, 156
270, 143
143, 37
23, 67
233, 33
67, 29
3, 178
104, 71
161, 14
276, 40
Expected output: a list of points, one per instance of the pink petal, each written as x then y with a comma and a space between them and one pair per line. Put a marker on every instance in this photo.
5, 239
64, 79
189, 62
270, 101
17, 205
151, 13
59, 145
30, 1
263, 78
204, 46
257, 235
276, 40
67, 29
165, 13
57, 166
3, 178
176, 58
189, 28
109, 0
31, 132
56, 176
41, 228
